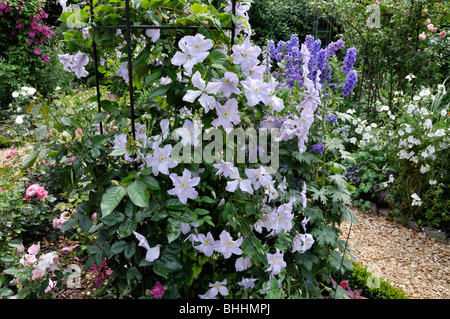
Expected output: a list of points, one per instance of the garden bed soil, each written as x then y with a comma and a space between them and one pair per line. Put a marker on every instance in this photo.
406, 258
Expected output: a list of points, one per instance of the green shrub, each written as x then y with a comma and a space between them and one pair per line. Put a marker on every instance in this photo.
4, 142
372, 288
277, 20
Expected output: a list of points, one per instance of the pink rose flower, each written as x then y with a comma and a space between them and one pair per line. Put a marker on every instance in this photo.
42, 193
422, 36
67, 250
58, 222
28, 260
32, 190
37, 273
12, 153
34, 249
442, 34
158, 290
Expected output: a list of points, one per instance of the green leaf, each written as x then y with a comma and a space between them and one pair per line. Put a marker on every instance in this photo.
150, 181
306, 157
133, 272
85, 222
130, 250
29, 161
175, 204
198, 8
142, 57
127, 227
138, 193
118, 247
201, 211
319, 194
154, 4
99, 140
111, 199
160, 268
173, 229
73, 220
339, 194
112, 219
99, 117
118, 152
338, 179
155, 75
219, 57
41, 132
158, 91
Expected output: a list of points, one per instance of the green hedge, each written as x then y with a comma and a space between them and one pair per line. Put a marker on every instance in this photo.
359, 279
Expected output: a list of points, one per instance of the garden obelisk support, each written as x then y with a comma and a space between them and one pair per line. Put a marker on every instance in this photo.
130, 66
97, 80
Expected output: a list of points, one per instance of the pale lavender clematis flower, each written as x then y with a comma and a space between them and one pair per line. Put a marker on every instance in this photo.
152, 252
160, 161
206, 100
228, 114
229, 82
80, 60
246, 54
207, 244
218, 287
227, 246
184, 186
276, 262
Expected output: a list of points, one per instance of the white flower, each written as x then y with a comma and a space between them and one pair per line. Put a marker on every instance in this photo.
439, 133
207, 101
19, 119
384, 108
424, 92
228, 114
28, 90
152, 252
416, 200
424, 168
229, 84
122, 71
189, 133
226, 168
244, 185
218, 287
409, 77
160, 160
443, 112
194, 49
391, 178
154, 34
433, 182
15, 94
184, 186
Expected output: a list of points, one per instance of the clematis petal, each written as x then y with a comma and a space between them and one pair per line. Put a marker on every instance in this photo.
191, 95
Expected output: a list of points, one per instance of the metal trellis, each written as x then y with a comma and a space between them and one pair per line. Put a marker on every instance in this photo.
128, 27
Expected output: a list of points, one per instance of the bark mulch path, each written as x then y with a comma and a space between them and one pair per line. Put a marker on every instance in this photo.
407, 258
